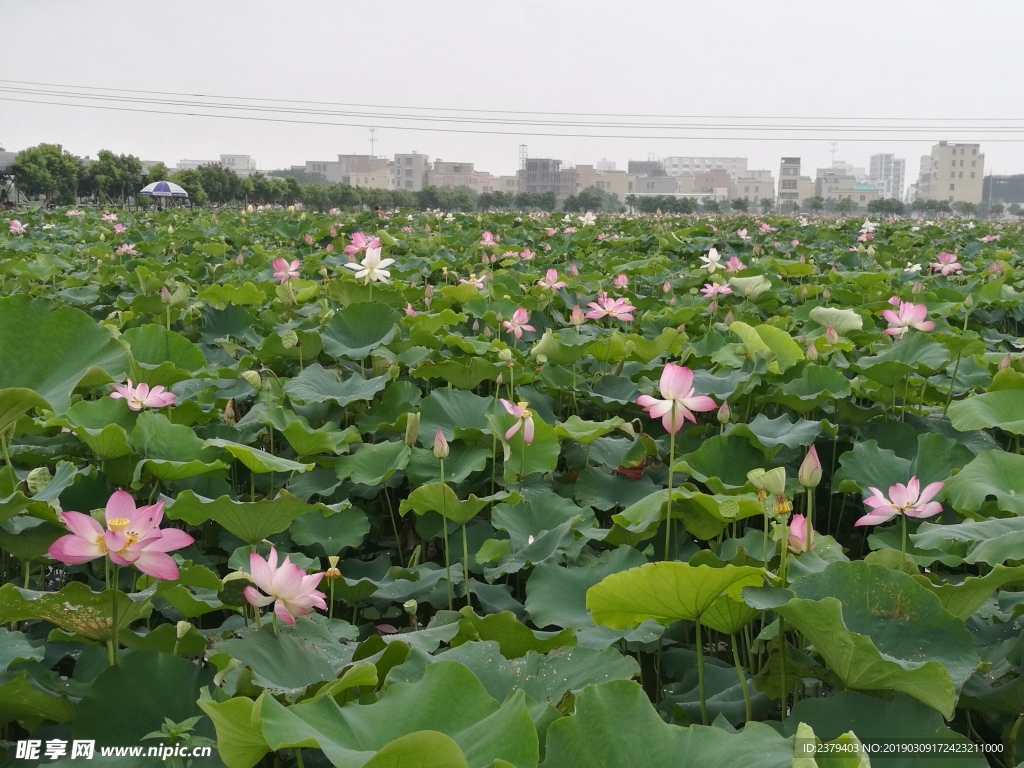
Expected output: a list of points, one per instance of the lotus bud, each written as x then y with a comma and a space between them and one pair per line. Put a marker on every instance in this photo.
826, 294
1005, 362
253, 377
729, 318
330, 247
239, 258
666, 287
182, 629
803, 291
810, 470
487, 331
969, 301
505, 354
724, 413
812, 352
713, 306
574, 270
165, 295
801, 537
249, 208
228, 416
428, 291
917, 288
308, 238
412, 428
170, 230
440, 445
291, 207
577, 317
332, 572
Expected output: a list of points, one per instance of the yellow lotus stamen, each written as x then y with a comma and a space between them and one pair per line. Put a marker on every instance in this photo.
782, 505
119, 524
101, 542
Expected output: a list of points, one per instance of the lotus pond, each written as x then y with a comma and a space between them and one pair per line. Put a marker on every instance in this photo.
511, 490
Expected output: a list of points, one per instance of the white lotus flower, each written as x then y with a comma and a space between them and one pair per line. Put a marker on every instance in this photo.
372, 267
588, 219
912, 267
867, 226
713, 260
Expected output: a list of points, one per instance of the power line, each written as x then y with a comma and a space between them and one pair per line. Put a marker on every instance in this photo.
254, 118
506, 111
498, 121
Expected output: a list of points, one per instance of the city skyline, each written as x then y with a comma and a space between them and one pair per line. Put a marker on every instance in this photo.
336, 70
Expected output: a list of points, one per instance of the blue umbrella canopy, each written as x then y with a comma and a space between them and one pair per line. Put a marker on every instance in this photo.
163, 189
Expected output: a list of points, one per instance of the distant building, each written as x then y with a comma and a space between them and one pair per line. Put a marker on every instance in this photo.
542, 175
889, 175
682, 166
604, 164
508, 185
445, 174
952, 172
410, 171
793, 188
1004, 189
191, 165
664, 185
753, 187
243, 165
645, 168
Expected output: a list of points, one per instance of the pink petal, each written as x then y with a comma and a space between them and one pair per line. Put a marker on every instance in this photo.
528, 431
281, 611
699, 403
513, 429
873, 518
929, 493
261, 571
72, 550
676, 381
158, 565
254, 597
83, 526
169, 540
120, 504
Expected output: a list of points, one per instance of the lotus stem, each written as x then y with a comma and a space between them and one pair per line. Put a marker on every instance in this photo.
700, 676
903, 539
671, 461
465, 565
113, 645
444, 531
743, 679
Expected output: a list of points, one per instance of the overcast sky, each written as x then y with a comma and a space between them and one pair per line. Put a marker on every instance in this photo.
954, 63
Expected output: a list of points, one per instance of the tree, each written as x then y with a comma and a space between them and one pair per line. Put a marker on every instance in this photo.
767, 204
887, 205
191, 181
965, 208
996, 210
739, 204
711, 205
49, 171
157, 172
222, 185
1015, 210
816, 203
303, 177
845, 206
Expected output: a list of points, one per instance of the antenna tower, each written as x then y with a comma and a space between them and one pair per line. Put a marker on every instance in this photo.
833, 147
373, 140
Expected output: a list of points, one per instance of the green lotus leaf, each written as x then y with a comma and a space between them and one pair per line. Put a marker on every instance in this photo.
995, 474
56, 349
1003, 409
251, 521
358, 329
317, 384
448, 700
74, 607
373, 463
842, 320
992, 541
614, 724
256, 460
153, 344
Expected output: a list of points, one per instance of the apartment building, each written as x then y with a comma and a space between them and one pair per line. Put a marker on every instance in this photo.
793, 188
448, 174
753, 187
683, 166
243, 165
1004, 189
544, 174
410, 171
953, 172
888, 173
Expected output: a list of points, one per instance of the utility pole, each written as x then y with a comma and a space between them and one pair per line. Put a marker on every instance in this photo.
372, 140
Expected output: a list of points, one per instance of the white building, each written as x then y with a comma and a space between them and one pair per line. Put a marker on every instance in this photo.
888, 173
683, 166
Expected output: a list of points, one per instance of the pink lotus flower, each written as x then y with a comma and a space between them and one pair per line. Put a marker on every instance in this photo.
487, 239
360, 242
551, 281
801, 538
128, 248
734, 265
409, 310
284, 271
742, 234
569, 230
142, 396
909, 316
73, 212
766, 227
677, 388
524, 420
132, 537
620, 281
120, 229
714, 289
473, 280
989, 238
907, 499
290, 588
617, 309
947, 263
518, 323
552, 231
527, 255
577, 317
17, 228
108, 216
